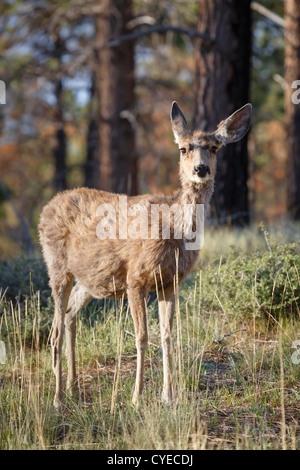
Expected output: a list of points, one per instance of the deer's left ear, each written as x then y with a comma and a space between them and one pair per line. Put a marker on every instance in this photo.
235, 126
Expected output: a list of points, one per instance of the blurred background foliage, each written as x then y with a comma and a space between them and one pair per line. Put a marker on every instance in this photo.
52, 63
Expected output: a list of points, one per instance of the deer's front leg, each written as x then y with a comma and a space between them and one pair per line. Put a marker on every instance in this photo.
166, 313
79, 298
137, 305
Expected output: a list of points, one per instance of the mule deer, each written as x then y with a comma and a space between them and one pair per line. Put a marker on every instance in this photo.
82, 266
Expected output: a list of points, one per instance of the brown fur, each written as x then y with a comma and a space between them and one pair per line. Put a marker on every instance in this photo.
116, 268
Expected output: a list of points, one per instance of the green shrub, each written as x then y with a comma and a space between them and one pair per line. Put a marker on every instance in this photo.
26, 307
263, 282
22, 277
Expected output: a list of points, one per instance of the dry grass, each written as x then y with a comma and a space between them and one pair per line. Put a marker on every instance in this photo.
236, 385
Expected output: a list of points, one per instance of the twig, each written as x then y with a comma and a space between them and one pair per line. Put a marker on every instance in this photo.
229, 334
160, 29
280, 80
140, 20
268, 13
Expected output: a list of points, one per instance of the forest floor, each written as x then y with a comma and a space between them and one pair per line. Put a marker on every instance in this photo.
236, 366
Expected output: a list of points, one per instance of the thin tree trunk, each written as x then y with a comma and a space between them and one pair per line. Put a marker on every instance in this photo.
92, 161
222, 83
115, 86
60, 180
60, 150
292, 73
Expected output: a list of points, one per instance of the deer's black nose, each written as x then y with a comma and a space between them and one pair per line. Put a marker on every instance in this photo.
202, 170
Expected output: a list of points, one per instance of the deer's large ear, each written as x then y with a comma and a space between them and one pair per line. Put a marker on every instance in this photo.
235, 126
178, 121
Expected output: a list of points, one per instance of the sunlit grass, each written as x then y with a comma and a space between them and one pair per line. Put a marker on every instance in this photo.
236, 386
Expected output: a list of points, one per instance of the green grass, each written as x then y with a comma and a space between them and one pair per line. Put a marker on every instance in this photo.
236, 385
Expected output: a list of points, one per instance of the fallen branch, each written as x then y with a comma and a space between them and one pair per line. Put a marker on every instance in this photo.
229, 334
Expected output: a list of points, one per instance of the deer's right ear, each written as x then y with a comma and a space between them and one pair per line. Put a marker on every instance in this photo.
179, 125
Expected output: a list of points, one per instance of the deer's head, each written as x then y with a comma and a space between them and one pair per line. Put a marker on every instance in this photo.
198, 149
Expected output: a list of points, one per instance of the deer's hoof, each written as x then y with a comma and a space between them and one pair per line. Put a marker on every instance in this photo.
166, 398
57, 403
135, 400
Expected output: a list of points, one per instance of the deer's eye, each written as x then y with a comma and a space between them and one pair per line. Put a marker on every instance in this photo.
183, 151
214, 148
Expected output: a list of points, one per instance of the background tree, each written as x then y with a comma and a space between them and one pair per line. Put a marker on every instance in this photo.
115, 87
60, 149
292, 73
91, 179
222, 84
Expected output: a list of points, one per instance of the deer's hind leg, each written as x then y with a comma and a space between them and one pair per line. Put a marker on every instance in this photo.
79, 299
61, 289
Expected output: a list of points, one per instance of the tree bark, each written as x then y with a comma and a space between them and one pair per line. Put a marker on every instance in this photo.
92, 144
60, 150
115, 87
292, 73
222, 83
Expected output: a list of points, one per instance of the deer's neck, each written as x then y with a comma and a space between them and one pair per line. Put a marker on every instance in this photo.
192, 194
190, 197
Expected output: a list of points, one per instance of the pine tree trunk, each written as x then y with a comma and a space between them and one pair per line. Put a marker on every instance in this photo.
60, 150
60, 175
222, 84
91, 173
292, 73
115, 87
